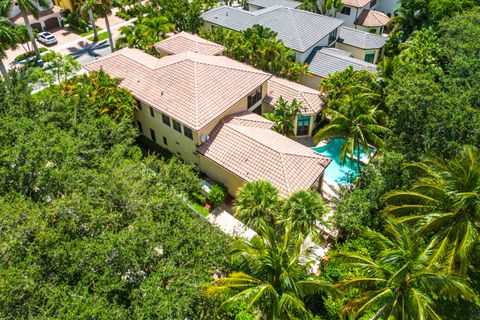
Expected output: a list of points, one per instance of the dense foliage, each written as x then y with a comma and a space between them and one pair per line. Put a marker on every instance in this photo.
90, 229
259, 47
426, 175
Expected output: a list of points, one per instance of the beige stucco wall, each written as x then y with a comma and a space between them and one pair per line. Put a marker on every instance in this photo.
378, 30
311, 81
177, 142
162, 53
220, 174
357, 53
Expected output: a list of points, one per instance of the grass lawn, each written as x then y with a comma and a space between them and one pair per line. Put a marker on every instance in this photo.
101, 36
84, 34
200, 209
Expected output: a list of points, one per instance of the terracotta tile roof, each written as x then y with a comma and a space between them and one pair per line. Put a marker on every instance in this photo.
191, 88
372, 18
252, 153
185, 41
356, 3
289, 90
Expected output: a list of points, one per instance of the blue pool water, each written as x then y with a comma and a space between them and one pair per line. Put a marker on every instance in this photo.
340, 174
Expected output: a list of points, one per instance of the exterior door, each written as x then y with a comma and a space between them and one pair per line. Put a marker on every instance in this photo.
303, 125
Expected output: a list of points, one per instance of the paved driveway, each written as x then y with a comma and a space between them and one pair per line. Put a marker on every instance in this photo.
63, 36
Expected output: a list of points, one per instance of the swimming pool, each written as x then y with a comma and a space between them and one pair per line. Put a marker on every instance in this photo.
340, 174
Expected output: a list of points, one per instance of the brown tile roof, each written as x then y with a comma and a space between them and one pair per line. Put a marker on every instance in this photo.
191, 88
356, 3
372, 18
289, 90
252, 153
184, 41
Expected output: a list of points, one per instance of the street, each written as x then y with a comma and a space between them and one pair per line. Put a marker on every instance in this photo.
82, 49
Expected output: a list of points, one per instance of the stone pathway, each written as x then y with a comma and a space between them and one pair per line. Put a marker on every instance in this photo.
223, 218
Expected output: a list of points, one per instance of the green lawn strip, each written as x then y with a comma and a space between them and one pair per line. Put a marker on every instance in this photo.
101, 36
84, 34
200, 209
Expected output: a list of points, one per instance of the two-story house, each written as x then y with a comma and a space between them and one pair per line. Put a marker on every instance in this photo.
362, 14
197, 106
302, 31
49, 18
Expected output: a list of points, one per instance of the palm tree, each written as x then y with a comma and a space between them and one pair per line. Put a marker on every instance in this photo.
445, 199
104, 7
88, 8
284, 115
8, 39
302, 210
333, 5
257, 203
26, 7
355, 118
272, 275
401, 282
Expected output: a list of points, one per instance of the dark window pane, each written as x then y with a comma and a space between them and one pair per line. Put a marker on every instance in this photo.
166, 120
139, 105
254, 97
188, 132
346, 11
152, 135
165, 140
139, 124
152, 113
177, 126
303, 125
369, 57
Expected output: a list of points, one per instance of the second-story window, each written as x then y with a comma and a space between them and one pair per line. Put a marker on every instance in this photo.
254, 97
332, 37
188, 132
152, 113
373, 3
139, 105
177, 126
166, 119
346, 11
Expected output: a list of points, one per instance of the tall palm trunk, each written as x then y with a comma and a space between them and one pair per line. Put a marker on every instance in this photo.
358, 156
110, 40
3, 70
30, 33
92, 22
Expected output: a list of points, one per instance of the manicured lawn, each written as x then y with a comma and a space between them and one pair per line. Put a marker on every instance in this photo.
101, 36
200, 209
84, 34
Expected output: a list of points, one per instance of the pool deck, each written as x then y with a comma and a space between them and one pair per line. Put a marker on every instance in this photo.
306, 141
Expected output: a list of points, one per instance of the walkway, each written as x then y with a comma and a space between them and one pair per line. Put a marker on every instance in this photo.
223, 218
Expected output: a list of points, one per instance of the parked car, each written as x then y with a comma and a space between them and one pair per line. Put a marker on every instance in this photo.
47, 38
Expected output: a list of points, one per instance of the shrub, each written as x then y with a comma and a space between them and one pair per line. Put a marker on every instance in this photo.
217, 195
199, 198
76, 22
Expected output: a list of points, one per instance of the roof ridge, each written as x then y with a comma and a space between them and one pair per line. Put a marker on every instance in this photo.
295, 26
195, 84
286, 179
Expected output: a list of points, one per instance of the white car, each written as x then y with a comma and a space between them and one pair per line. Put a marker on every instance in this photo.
47, 38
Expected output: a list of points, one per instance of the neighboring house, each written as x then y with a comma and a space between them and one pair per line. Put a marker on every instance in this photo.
49, 18
363, 45
309, 98
328, 61
300, 30
197, 106
364, 15
184, 41
254, 5
372, 21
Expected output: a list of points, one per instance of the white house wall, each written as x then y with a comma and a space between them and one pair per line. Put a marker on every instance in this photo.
387, 6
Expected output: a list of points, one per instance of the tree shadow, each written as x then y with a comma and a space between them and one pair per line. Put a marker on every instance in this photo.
87, 48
